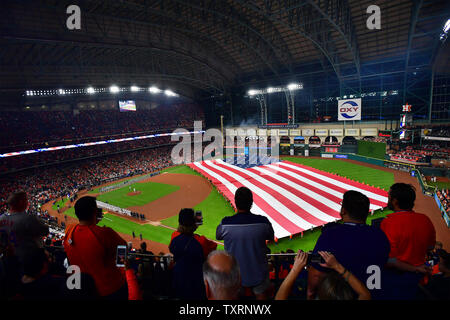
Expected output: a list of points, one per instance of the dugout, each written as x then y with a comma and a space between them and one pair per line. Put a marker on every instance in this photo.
314, 144
299, 146
349, 145
285, 145
331, 144
314, 141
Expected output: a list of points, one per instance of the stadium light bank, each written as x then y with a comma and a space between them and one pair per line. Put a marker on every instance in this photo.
113, 89
290, 87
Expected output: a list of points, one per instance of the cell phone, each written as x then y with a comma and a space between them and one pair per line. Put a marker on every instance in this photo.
377, 222
198, 218
314, 258
99, 214
121, 255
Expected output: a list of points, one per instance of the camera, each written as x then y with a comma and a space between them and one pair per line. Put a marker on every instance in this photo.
99, 214
121, 255
198, 218
314, 258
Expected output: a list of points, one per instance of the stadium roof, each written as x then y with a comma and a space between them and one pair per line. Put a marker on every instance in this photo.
206, 46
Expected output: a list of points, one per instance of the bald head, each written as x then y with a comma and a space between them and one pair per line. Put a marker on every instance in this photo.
221, 262
222, 277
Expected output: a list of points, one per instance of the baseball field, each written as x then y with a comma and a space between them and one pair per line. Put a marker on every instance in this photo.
161, 197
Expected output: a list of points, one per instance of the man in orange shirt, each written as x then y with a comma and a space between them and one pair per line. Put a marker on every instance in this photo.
93, 249
411, 236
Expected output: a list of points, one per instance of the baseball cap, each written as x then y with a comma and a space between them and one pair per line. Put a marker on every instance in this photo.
186, 217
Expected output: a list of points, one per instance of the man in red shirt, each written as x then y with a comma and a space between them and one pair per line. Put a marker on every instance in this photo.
411, 236
93, 249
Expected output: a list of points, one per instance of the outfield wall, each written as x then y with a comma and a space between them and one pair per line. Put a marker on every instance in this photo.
127, 182
112, 208
443, 213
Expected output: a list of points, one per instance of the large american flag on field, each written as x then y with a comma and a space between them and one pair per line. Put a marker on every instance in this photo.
292, 196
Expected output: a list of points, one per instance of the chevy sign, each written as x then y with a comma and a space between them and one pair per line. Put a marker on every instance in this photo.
349, 109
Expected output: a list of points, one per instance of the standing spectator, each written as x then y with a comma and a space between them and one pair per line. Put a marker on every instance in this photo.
134, 291
189, 252
222, 277
354, 244
93, 249
36, 282
245, 236
23, 231
411, 236
143, 248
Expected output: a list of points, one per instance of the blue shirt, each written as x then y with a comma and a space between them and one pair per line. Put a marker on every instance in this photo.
356, 247
245, 236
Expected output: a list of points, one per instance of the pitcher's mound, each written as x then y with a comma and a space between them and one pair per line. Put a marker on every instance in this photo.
133, 193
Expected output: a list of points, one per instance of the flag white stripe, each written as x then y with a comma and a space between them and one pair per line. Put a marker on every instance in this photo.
277, 205
332, 205
286, 193
279, 231
336, 182
318, 185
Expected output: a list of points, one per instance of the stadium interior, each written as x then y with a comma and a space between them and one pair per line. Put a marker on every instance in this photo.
154, 106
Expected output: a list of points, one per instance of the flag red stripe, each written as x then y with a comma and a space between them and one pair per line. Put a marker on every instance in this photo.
342, 179
299, 211
332, 186
260, 202
305, 197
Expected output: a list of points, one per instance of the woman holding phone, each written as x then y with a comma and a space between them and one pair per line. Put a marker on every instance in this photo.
340, 284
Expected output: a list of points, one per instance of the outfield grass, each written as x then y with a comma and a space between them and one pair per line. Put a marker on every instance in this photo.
377, 178
440, 185
150, 191
150, 232
97, 190
181, 169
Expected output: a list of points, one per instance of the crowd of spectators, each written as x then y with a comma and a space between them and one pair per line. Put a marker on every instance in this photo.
444, 197
411, 155
397, 259
50, 128
54, 157
421, 154
45, 184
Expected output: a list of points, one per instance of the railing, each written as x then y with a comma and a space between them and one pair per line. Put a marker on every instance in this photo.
426, 189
